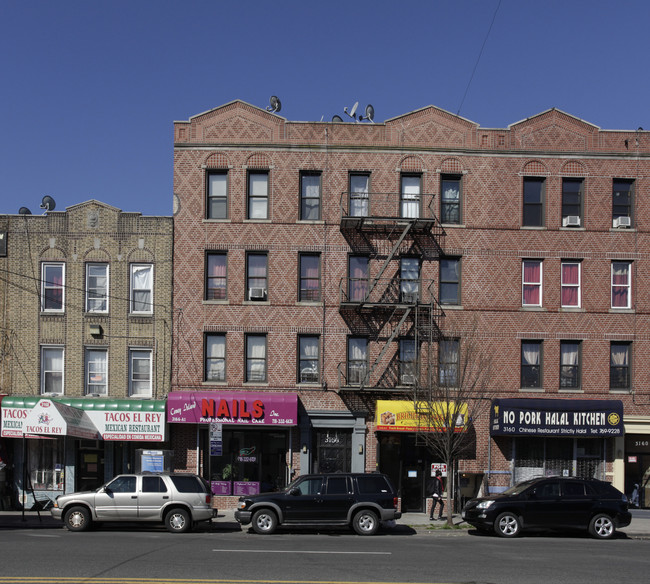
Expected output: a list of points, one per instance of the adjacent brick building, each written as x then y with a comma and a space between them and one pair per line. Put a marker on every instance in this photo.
326, 264
86, 340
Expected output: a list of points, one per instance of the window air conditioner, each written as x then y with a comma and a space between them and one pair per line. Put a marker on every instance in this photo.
309, 376
409, 297
408, 379
571, 221
257, 293
622, 222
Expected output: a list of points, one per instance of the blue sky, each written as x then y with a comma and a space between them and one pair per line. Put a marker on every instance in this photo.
90, 89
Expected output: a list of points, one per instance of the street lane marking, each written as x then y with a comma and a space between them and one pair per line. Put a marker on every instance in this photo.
303, 552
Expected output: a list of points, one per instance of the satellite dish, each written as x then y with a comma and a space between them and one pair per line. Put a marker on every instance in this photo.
24, 211
352, 111
370, 114
275, 106
48, 203
337, 119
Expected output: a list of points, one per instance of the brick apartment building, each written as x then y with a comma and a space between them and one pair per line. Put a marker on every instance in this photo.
320, 269
86, 346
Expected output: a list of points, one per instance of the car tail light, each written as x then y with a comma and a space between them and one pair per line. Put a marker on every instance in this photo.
208, 499
395, 501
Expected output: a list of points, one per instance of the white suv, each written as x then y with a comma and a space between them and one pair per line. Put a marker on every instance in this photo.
177, 500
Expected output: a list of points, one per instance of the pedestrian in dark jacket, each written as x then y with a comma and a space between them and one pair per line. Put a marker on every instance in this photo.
436, 488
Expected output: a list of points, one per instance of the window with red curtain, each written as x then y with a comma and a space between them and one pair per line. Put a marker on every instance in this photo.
358, 270
532, 283
621, 284
52, 287
571, 284
216, 277
309, 277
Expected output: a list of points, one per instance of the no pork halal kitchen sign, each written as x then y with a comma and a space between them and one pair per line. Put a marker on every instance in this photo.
556, 417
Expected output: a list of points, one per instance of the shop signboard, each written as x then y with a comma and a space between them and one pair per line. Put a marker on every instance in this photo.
221, 487
401, 416
556, 417
245, 488
240, 407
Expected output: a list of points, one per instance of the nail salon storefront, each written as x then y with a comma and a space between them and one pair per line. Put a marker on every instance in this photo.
241, 441
63, 444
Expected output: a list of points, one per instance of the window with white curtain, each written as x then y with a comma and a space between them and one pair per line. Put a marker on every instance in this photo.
359, 195
619, 366
407, 362
215, 357
217, 205
531, 364
308, 359
97, 287
142, 288
52, 370
570, 284
96, 371
448, 361
531, 283
53, 287
450, 199
140, 373
258, 195
256, 276
310, 197
570, 364
357, 360
409, 273
621, 284
216, 276
256, 369
357, 278
309, 285
410, 196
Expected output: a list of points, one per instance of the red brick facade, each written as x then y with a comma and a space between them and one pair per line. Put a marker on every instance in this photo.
489, 239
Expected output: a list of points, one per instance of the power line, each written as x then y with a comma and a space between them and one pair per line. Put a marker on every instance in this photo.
462, 101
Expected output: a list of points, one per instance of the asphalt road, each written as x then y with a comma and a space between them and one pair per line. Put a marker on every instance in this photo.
147, 554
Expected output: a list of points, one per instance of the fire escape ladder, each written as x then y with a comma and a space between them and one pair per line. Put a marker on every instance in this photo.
390, 256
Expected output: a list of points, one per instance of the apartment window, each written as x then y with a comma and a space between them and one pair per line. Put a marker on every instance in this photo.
309, 286
531, 273
52, 370
217, 206
572, 202
409, 272
570, 364
142, 288
357, 360
570, 284
359, 193
96, 372
96, 287
257, 276
411, 190
448, 359
52, 287
622, 193
216, 276
533, 202
215, 357
140, 373
308, 359
358, 278
255, 358
450, 281
619, 366
531, 364
621, 284
450, 199
310, 196
258, 195
407, 362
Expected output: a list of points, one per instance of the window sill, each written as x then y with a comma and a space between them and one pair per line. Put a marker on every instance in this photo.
622, 229
533, 309
257, 221
309, 385
534, 227
571, 390
52, 312
452, 306
256, 384
572, 309
209, 220
216, 301
620, 391
460, 225
622, 311
309, 303
532, 390
146, 315
256, 302
311, 221
573, 229
214, 383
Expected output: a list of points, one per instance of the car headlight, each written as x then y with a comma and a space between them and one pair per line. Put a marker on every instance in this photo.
484, 504
242, 505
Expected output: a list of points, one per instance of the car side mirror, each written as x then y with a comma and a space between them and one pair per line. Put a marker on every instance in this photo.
106, 489
295, 491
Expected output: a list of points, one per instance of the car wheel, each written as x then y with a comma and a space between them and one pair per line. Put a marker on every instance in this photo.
602, 526
178, 521
264, 521
507, 525
365, 522
77, 519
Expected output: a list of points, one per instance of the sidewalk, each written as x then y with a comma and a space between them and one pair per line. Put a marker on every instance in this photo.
639, 528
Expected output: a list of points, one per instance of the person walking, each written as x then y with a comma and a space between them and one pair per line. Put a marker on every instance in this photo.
436, 489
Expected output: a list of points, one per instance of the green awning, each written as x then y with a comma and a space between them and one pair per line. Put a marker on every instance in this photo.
89, 403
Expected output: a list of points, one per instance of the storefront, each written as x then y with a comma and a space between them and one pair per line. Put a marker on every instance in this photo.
404, 458
559, 437
66, 444
241, 441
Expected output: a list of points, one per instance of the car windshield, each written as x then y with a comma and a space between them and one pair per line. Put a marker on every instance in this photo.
518, 488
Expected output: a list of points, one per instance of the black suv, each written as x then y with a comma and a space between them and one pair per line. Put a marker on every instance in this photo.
357, 500
555, 503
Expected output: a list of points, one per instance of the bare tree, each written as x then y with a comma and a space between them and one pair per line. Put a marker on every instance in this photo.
453, 390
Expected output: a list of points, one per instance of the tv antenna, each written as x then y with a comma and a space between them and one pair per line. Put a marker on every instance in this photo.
48, 203
369, 113
275, 106
352, 111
